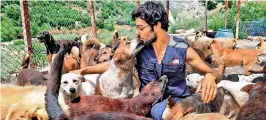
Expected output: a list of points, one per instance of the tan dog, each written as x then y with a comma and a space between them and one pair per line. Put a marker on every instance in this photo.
117, 81
90, 47
69, 63
18, 103
227, 57
104, 54
201, 41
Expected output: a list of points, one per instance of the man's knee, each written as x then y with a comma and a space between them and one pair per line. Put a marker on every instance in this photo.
157, 111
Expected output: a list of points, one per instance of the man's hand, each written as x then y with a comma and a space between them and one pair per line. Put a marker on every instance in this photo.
208, 87
79, 71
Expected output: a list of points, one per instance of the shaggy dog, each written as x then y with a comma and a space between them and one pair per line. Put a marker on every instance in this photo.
193, 103
117, 81
104, 54
90, 48
227, 57
254, 108
25, 102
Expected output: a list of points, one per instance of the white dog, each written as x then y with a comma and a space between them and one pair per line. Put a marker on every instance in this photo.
74, 85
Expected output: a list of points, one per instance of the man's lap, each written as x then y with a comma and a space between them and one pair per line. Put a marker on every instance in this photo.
158, 109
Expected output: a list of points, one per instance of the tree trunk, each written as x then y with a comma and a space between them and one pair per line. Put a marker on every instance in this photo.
226, 14
238, 18
93, 21
137, 3
26, 29
167, 7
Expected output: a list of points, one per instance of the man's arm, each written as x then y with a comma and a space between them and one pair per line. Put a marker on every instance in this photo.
207, 84
196, 62
96, 69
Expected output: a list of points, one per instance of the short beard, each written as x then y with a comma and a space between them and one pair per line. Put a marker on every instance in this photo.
150, 41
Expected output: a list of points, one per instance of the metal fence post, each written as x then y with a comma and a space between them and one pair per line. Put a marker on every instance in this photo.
26, 29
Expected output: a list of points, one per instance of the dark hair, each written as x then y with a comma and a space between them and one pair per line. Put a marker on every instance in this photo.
152, 13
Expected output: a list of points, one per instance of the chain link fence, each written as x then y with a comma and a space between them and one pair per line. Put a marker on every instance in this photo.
70, 19
63, 19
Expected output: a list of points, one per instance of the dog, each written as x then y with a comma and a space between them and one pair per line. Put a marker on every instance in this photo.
25, 102
69, 63
28, 75
74, 85
112, 116
204, 116
90, 48
117, 81
202, 40
234, 89
191, 104
103, 55
227, 57
254, 108
192, 107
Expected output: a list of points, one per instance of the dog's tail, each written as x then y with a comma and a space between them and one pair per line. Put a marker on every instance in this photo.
52, 106
115, 35
91, 43
261, 48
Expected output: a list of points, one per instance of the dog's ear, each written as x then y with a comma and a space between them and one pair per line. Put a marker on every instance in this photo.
82, 79
213, 41
171, 102
248, 88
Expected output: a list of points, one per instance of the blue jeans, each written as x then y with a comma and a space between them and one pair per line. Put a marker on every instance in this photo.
158, 108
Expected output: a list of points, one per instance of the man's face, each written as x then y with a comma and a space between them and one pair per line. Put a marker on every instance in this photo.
144, 31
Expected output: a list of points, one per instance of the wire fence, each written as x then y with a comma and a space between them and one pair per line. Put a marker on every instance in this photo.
70, 19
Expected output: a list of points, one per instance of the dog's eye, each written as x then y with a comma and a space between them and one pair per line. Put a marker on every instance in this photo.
65, 82
74, 80
104, 52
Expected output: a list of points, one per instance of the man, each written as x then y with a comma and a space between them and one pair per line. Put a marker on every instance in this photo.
164, 55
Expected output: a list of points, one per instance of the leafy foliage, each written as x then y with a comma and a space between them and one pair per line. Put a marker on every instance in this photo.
47, 15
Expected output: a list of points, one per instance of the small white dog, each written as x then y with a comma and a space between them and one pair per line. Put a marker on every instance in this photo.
74, 85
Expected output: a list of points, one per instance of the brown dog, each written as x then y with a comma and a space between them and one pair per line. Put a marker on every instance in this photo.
69, 63
254, 108
104, 54
90, 48
227, 57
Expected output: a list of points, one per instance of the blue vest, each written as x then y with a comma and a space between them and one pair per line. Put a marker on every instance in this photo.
173, 65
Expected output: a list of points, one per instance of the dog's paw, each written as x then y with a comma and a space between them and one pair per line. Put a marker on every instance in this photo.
37, 113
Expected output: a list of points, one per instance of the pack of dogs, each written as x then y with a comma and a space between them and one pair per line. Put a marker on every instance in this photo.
115, 94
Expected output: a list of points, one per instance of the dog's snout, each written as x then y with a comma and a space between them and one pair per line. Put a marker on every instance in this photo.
72, 90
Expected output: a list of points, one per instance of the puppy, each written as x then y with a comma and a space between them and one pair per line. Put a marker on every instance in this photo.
254, 108
227, 57
117, 81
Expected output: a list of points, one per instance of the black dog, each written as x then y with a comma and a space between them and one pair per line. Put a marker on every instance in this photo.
51, 45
